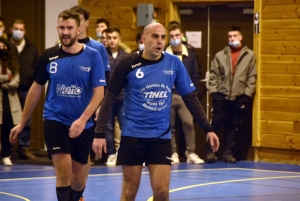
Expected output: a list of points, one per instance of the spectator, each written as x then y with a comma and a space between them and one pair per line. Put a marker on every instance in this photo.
10, 107
231, 84
178, 107
27, 55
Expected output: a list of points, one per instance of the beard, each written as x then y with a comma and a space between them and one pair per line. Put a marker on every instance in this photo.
68, 44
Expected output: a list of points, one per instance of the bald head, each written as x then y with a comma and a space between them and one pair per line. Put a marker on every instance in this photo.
153, 26
154, 36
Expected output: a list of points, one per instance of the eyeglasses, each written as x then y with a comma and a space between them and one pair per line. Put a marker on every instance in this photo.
175, 35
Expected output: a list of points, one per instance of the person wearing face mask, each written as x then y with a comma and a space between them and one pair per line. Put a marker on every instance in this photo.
10, 107
139, 43
232, 81
27, 56
178, 106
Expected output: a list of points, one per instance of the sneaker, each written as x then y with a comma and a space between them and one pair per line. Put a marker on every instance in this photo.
81, 199
194, 158
25, 154
228, 158
211, 157
175, 158
111, 160
6, 161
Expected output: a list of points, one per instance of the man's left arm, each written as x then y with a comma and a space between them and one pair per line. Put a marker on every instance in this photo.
193, 104
251, 82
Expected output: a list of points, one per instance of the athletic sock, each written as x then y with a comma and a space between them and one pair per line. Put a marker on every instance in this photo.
77, 194
62, 193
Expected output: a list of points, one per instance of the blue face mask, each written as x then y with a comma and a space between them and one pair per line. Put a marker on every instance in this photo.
99, 34
235, 43
175, 42
18, 35
141, 47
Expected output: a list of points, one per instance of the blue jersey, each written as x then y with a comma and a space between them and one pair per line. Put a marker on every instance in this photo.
100, 48
72, 78
148, 93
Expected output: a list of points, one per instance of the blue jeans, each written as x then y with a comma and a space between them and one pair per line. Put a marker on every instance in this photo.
24, 136
117, 112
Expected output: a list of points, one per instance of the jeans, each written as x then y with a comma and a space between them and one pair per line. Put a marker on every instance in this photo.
117, 112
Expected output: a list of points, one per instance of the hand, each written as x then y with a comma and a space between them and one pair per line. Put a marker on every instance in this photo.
4, 86
98, 145
13, 136
76, 128
97, 113
213, 141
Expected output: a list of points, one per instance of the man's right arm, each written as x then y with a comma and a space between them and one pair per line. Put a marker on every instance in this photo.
32, 99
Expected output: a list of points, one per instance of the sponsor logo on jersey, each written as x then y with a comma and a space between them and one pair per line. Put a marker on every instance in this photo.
191, 84
52, 58
102, 80
72, 90
136, 65
83, 68
155, 94
55, 148
168, 72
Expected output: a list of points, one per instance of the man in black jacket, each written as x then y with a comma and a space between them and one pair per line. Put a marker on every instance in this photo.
28, 56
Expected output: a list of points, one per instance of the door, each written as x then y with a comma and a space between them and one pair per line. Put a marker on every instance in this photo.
220, 18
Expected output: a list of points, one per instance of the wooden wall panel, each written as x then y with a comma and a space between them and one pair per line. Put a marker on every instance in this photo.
280, 80
281, 11
269, 68
278, 58
280, 116
280, 104
282, 141
290, 156
280, 34
280, 91
284, 47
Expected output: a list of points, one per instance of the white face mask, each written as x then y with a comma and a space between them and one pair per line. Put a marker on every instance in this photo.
175, 42
99, 34
1, 33
235, 43
141, 47
18, 35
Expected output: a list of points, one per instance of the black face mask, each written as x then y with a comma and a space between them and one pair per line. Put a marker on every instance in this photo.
3, 52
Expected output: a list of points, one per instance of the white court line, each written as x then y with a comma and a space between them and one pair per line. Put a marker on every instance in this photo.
13, 195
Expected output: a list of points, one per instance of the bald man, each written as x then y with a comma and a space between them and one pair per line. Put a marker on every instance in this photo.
148, 78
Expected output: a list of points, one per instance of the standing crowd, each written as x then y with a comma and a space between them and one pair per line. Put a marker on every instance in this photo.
127, 102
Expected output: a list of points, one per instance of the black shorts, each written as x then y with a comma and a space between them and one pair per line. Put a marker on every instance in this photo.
58, 141
136, 151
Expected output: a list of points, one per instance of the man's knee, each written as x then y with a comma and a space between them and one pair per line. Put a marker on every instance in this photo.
161, 194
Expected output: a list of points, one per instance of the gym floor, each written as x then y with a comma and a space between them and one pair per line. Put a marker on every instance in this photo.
243, 181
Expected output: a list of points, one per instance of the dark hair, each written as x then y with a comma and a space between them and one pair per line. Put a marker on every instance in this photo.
138, 37
70, 14
235, 28
174, 27
18, 21
1, 20
172, 23
103, 20
110, 30
81, 10
12, 62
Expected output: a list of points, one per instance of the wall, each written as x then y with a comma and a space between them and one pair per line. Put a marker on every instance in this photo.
51, 13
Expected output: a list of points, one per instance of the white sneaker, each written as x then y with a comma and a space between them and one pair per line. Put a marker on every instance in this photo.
6, 161
111, 160
194, 158
175, 158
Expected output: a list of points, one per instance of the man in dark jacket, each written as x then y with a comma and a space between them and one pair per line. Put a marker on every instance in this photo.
28, 56
115, 55
178, 106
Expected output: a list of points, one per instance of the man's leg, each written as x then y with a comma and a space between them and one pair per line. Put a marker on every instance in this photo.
131, 181
78, 178
160, 181
63, 170
174, 108
24, 136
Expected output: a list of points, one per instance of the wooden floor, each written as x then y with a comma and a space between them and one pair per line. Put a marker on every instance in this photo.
243, 181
